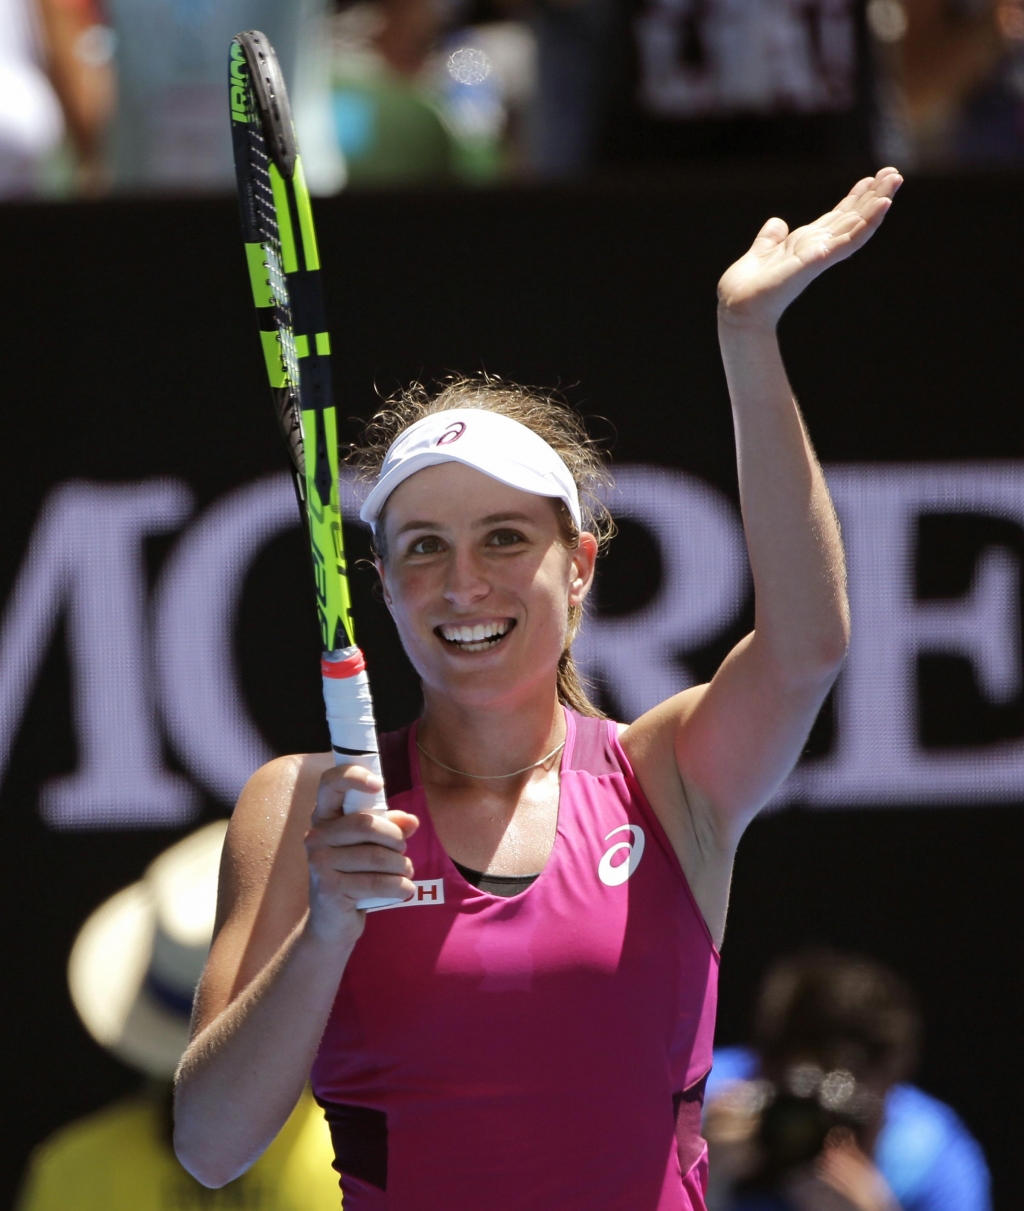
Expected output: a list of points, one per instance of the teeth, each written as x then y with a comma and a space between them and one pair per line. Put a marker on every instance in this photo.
475, 638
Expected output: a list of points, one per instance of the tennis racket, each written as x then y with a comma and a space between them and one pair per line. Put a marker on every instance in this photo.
284, 269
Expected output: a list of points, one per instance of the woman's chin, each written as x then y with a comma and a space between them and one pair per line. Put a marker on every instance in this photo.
487, 683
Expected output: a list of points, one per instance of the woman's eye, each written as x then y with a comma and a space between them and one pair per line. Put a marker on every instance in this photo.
505, 538
425, 546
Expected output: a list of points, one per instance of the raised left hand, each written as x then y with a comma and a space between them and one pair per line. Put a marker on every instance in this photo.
758, 288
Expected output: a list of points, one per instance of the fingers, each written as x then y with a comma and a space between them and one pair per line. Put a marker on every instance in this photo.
335, 783
862, 186
859, 227
844, 223
379, 887
730, 1117
885, 182
362, 859
866, 202
869, 197
880, 188
771, 234
406, 821
346, 891
851, 1173
877, 197
355, 858
855, 219
387, 829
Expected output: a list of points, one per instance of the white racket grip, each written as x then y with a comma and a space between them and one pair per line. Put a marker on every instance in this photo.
353, 733
350, 720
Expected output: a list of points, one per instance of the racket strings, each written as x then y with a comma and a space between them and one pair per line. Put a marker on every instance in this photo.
287, 400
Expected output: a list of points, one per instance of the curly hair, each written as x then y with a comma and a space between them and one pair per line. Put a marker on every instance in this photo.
548, 417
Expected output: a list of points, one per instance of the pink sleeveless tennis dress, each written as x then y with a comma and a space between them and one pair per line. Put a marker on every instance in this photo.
544, 1052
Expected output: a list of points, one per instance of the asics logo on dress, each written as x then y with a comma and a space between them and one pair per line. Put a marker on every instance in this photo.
428, 891
615, 876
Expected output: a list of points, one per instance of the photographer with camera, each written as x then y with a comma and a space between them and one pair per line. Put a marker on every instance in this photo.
818, 1117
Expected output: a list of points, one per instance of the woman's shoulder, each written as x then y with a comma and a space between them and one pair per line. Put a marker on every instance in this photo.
275, 803
288, 785
285, 774
291, 781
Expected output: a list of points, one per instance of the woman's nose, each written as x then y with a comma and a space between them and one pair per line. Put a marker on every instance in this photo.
465, 582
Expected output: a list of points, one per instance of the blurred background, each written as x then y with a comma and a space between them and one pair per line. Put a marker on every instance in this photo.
121, 96
546, 191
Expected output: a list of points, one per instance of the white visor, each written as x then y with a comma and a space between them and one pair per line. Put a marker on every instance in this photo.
486, 441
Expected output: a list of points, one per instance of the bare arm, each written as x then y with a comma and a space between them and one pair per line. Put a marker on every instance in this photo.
711, 757
287, 924
86, 87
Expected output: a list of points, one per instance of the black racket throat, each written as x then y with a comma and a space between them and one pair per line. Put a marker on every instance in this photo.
270, 97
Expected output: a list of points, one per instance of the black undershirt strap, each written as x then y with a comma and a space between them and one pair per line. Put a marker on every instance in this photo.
494, 885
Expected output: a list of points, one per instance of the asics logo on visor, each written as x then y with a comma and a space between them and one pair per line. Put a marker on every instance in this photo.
494, 444
451, 434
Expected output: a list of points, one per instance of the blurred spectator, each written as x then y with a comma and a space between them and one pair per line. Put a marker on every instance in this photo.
389, 131
953, 93
171, 130
55, 80
132, 973
420, 98
485, 76
31, 124
818, 1117
79, 53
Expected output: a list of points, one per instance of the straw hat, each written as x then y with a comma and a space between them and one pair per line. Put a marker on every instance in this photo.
137, 959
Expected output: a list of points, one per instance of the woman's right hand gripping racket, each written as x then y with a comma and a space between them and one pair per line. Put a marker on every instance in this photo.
284, 269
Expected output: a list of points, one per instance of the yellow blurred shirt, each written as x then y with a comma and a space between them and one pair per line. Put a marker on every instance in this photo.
119, 1159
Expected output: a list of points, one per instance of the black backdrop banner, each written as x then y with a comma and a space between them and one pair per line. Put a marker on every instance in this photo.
157, 638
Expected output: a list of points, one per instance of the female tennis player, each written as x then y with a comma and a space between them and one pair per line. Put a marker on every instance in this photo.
532, 1027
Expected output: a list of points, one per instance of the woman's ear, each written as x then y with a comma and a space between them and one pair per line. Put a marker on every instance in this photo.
584, 561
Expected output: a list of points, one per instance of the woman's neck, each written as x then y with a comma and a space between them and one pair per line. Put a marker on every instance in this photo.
488, 741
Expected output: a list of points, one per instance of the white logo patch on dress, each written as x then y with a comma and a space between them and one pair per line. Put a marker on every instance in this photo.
428, 891
614, 876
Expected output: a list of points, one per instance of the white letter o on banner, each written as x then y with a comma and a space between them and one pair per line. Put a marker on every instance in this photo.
196, 603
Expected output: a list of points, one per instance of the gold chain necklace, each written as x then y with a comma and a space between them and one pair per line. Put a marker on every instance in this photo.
490, 777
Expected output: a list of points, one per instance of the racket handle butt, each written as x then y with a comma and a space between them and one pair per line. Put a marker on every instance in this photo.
373, 902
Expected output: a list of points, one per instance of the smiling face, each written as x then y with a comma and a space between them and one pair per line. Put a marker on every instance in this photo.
479, 580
